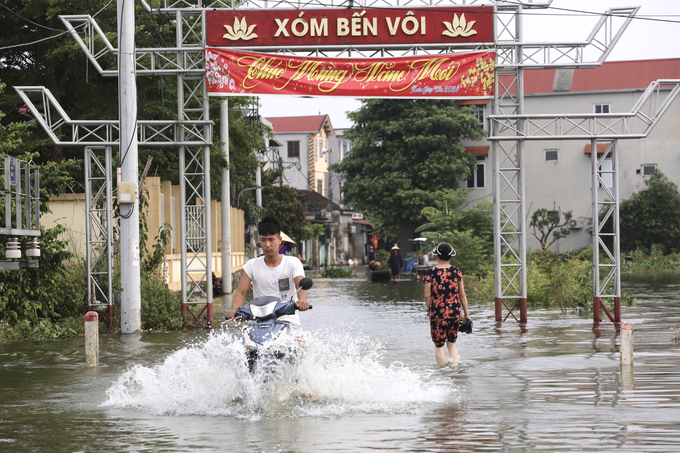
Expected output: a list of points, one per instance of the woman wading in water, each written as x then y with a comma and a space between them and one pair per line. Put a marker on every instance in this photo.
444, 297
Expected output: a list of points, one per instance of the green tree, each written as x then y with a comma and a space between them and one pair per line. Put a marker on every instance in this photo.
544, 222
404, 152
652, 216
54, 60
467, 226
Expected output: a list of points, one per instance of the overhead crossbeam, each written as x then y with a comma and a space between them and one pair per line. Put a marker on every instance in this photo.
638, 123
511, 52
149, 61
537, 55
67, 132
189, 5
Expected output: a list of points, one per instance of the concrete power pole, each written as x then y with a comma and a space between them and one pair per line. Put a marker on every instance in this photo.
131, 299
226, 200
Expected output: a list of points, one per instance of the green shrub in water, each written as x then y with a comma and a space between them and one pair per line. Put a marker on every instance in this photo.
161, 307
337, 272
553, 279
382, 255
654, 262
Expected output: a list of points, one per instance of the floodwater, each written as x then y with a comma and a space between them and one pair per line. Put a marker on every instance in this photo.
367, 382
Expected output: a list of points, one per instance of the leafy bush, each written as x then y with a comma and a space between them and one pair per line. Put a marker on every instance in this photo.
46, 292
467, 226
161, 308
651, 217
652, 263
337, 272
382, 255
553, 279
44, 329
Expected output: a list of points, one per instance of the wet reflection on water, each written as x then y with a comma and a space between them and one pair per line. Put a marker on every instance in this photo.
555, 384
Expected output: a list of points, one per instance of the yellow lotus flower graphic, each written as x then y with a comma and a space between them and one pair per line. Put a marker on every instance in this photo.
241, 31
458, 27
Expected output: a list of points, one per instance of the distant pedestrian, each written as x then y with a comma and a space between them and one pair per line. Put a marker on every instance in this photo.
445, 297
396, 262
371, 254
341, 258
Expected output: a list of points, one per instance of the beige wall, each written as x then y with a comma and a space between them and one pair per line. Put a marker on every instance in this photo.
69, 211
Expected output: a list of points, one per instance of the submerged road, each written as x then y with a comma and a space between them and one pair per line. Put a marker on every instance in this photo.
368, 381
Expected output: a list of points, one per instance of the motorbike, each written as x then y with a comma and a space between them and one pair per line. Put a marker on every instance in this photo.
268, 341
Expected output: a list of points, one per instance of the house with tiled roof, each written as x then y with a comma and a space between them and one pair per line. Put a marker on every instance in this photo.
309, 147
305, 151
557, 173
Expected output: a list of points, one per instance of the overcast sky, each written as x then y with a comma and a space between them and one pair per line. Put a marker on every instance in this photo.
654, 33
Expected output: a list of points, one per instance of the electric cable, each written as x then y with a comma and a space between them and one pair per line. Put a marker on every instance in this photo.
13, 46
28, 20
577, 13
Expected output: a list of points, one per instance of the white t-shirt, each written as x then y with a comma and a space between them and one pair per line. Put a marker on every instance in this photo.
276, 281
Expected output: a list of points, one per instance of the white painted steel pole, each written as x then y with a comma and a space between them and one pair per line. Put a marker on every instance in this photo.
226, 199
258, 182
596, 231
131, 299
521, 180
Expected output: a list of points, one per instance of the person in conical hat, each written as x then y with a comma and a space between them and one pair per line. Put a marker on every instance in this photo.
396, 262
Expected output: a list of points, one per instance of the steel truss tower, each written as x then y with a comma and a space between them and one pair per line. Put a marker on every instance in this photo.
509, 127
99, 228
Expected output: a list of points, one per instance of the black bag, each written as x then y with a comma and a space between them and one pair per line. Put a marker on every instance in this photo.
466, 326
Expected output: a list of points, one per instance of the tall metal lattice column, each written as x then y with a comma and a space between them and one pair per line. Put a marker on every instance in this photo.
195, 222
606, 253
508, 172
99, 228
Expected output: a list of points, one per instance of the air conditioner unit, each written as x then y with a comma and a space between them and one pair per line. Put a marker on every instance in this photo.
575, 224
352, 229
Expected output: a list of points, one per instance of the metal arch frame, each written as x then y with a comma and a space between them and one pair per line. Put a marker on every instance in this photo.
514, 55
152, 133
99, 228
638, 123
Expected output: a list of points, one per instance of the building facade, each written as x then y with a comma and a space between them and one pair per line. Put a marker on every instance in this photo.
557, 174
305, 151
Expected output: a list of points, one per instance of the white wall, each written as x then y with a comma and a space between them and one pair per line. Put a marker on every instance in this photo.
566, 182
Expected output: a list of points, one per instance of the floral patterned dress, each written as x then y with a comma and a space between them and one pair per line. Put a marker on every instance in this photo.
445, 308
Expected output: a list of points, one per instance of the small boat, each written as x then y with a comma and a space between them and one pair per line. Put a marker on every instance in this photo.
379, 274
420, 271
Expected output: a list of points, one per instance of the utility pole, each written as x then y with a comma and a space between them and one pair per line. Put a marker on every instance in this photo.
226, 199
131, 298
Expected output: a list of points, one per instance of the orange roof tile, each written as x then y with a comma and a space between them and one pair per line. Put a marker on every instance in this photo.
612, 75
299, 124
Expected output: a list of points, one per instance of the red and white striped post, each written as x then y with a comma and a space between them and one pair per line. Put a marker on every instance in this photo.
91, 339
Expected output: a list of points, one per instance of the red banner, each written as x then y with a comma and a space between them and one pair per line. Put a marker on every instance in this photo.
332, 27
468, 75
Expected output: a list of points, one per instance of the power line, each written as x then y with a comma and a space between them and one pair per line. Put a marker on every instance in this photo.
28, 20
53, 36
576, 13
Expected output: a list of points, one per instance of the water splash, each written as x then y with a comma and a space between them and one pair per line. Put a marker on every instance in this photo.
338, 374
